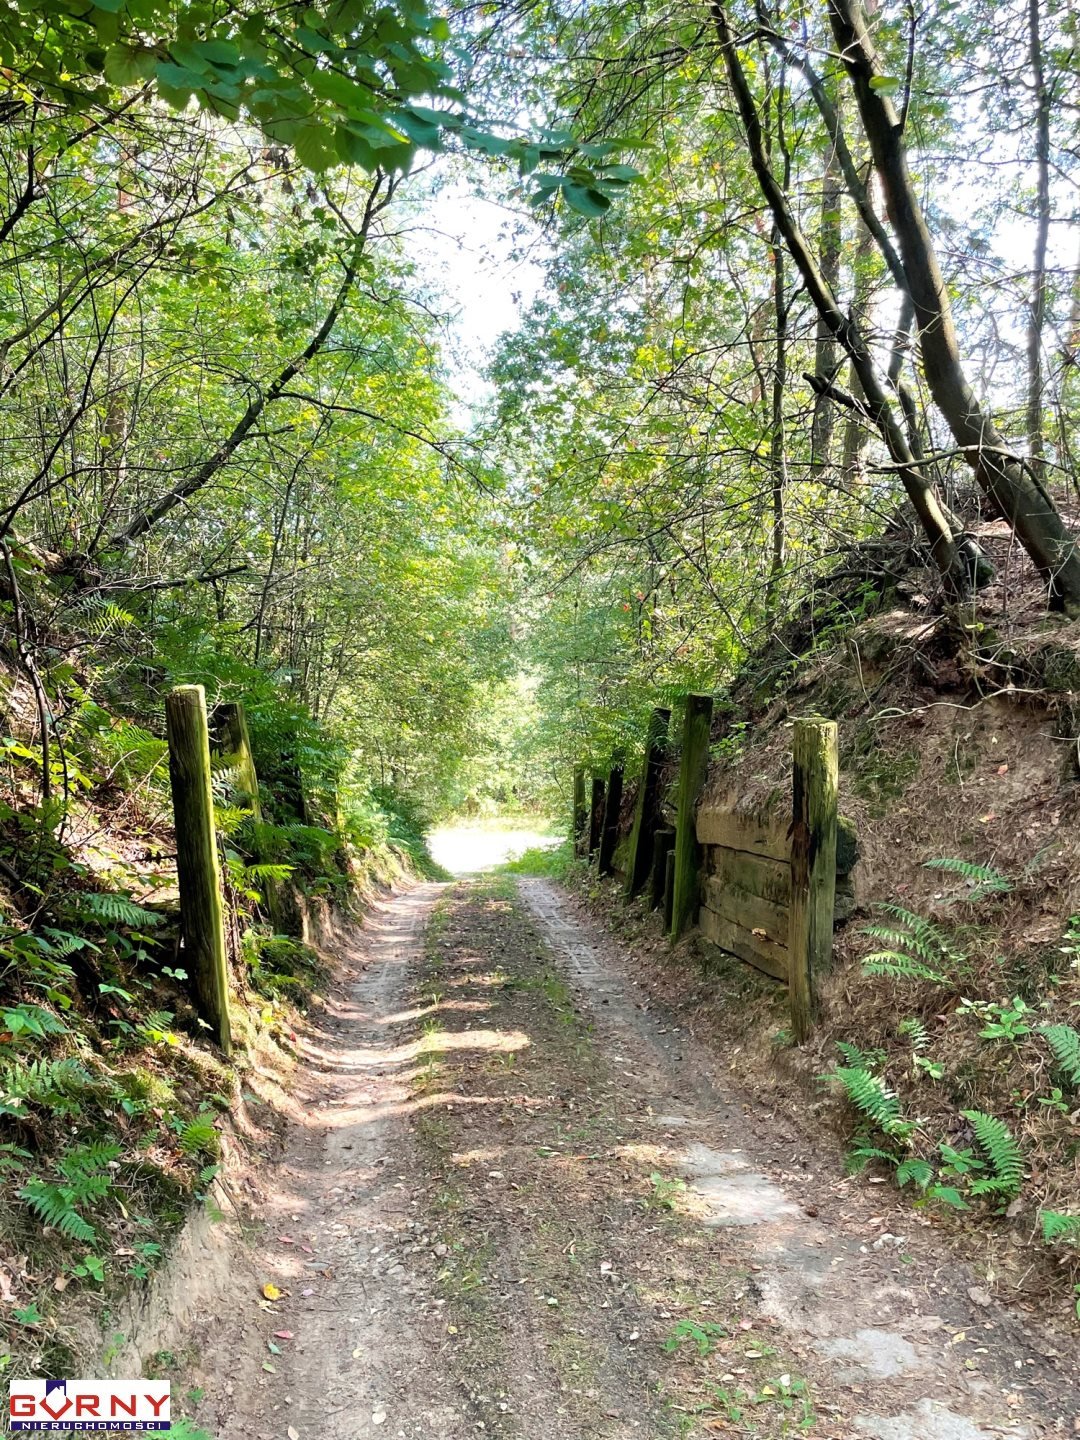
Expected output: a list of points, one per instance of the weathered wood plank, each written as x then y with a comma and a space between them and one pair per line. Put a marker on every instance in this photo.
663, 842
640, 854
756, 950
609, 831
693, 764
748, 874
581, 812
596, 814
752, 912
757, 835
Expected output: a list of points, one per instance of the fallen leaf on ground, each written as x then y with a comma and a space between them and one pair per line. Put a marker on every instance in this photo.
293, 1433
283, 1334
271, 1291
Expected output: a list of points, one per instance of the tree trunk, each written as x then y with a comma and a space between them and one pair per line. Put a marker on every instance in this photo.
921, 492
1037, 321
826, 350
1017, 493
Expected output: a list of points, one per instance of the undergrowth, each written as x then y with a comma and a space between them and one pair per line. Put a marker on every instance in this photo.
969, 1092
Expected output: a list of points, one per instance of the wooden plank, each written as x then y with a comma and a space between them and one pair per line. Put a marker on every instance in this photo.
757, 950
752, 912
596, 813
748, 874
757, 835
693, 765
813, 864
663, 842
609, 830
581, 811
199, 879
648, 803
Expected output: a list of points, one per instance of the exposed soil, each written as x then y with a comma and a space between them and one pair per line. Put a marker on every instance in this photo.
518, 1201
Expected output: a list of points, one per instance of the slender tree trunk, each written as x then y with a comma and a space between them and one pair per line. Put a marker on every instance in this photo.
920, 491
1037, 321
1015, 490
826, 350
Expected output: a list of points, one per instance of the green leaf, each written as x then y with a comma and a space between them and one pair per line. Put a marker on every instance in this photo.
586, 199
884, 84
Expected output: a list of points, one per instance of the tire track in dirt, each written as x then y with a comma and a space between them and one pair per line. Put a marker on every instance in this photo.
350, 1349
903, 1362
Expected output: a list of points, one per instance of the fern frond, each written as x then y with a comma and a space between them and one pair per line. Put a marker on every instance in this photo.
199, 1136
930, 941
1064, 1041
921, 1171
868, 1094
860, 1059
898, 966
1057, 1227
917, 1033
997, 1143
109, 908
983, 879
55, 1205
856, 1160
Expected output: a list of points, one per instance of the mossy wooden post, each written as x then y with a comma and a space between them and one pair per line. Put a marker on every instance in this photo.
609, 831
596, 815
232, 741
663, 841
813, 864
581, 814
201, 917
694, 762
646, 811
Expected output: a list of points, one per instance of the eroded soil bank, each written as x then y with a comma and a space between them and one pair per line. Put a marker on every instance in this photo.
518, 1201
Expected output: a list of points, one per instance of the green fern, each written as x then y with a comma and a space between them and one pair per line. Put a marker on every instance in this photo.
860, 1059
859, 1156
898, 966
85, 1181
917, 949
1058, 1227
983, 879
199, 1136
917, 1033
60, 1086
920, 1171
107, 908
868, 1094
1004, 1154
1064, 1041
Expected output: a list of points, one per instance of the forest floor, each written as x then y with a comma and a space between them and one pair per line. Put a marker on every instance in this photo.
517, 1200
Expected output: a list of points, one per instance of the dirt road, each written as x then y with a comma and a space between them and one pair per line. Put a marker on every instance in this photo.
515, 1201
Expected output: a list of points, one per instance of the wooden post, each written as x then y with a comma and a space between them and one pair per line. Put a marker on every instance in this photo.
669, 888
646, 812
581, 814
232, 742
813, 864
609, 834
596, 815
694, 762
201, 916
663, 841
